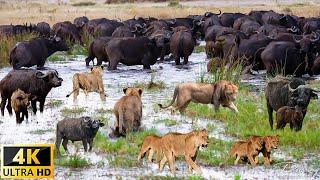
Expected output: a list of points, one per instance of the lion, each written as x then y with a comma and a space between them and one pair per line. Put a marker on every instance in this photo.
89, 82
128, 111
187, 145
151, 143
220, 93
246, 150
270, 142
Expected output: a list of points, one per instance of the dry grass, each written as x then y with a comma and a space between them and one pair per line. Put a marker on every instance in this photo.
21, 12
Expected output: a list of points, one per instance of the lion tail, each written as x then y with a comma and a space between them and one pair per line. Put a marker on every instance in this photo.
172, 101
76, 86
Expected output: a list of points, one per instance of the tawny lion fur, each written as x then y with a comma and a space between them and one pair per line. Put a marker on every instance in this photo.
89, 82
246, 150
219, 93
128, 111
151, 144
187, 145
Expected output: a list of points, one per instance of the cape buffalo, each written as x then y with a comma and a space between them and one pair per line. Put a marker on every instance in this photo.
77, 129
132, 51
181, 45
35, 82
67, 31
35, 51
43, 29
97, 50
281, 92
290, 57
80, 21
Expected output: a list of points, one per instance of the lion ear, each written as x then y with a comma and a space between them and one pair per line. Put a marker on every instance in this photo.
125, 90
140, 91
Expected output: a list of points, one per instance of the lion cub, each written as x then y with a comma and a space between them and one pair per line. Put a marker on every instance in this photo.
187, 145
246, 149
270, 142
128, 111
151, 143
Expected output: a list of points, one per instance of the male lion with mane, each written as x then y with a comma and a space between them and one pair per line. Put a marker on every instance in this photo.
219, 93
187, 145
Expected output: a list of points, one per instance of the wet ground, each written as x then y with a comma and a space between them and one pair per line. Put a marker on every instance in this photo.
41, 128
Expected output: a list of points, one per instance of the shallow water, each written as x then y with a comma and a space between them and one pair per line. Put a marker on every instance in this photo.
41, 128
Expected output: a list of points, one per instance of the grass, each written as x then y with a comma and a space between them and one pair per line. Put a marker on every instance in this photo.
104, 111
216, 153
152, 85
168, 122
84, 4
75, 111
74, 161
198, 49
56, 57
40, 131
252, 119
78, 50
54, 103
224, 72
8, 42
125, 150
174, 3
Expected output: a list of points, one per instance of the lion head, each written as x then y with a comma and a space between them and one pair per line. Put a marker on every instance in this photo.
257, 142
271, 142
133, 91
201, 138
230, 91
97, 70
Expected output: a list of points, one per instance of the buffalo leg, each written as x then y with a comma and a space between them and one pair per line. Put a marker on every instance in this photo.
146, 66
185, 60
65, 144
41, 105
17, 117
177, 60
3, 105
58, 142
9, 108
270, 110
34, 106
90, 145
85, 145
113, 65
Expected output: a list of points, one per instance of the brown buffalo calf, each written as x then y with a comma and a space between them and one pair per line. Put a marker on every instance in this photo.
20, 102
292, 115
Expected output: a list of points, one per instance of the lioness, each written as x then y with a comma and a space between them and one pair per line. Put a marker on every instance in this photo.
89, 82
246, 149
128, 111
220, 93
151, 143
187, 145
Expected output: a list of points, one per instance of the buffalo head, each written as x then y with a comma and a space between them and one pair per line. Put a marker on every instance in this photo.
51, 77
56, 43
301, 96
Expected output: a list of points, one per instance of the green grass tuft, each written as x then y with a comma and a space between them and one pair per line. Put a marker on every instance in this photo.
74, 161
72, 112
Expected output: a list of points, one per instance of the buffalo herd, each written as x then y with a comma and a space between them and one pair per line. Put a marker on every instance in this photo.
260, 40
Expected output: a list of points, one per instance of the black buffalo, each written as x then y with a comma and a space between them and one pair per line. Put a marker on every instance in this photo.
281, 92
181, 45
38, 83
35, 51
77, 129
97, 49
132, 51
290, 57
